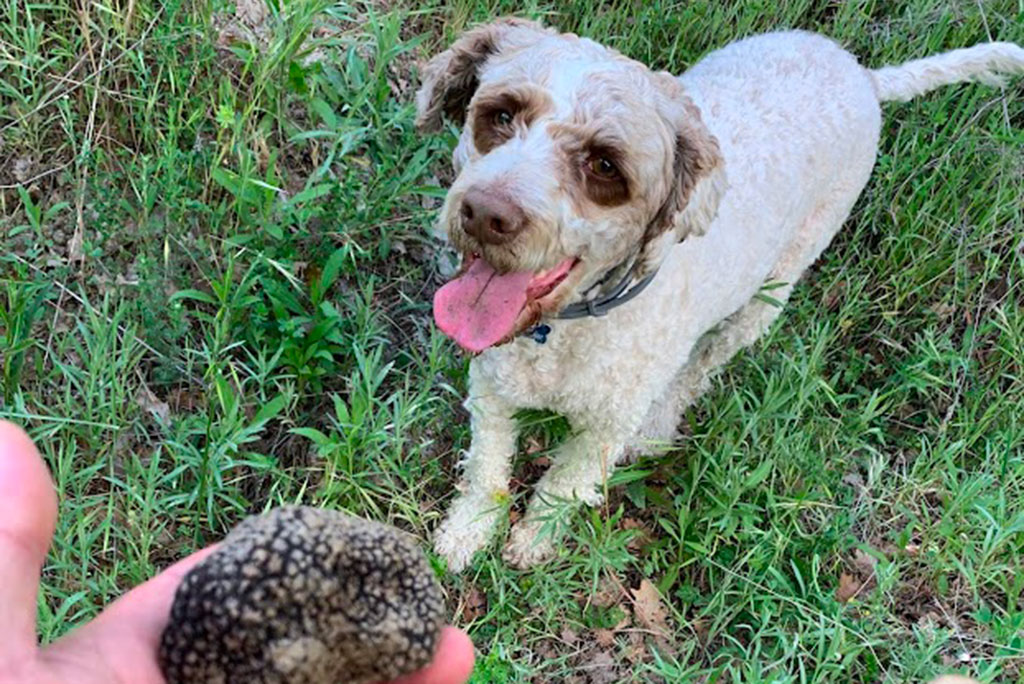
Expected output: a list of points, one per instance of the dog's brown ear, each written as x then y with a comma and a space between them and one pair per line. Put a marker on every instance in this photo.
451, 78
698, 179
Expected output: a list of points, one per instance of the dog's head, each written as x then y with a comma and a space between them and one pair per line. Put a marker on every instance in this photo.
572, 161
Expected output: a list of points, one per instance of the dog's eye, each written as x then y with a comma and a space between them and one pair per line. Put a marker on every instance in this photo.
603, 167
503, 117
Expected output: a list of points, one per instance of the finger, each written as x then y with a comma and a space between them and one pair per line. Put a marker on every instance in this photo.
121, 644
28, 514
452, 664
143, 612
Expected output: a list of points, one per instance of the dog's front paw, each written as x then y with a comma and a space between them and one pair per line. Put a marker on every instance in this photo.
527, 547
467, 529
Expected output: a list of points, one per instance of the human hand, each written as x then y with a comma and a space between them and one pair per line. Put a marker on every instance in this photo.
121, 644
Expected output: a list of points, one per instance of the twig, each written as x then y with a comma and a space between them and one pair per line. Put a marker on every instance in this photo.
75, 251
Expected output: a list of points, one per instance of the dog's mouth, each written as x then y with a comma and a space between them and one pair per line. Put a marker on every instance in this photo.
481, 307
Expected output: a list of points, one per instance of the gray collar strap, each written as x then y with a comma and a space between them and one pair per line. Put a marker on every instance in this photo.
602, 304
598, 306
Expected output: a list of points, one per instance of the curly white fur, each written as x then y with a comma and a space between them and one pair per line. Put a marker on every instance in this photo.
797, 122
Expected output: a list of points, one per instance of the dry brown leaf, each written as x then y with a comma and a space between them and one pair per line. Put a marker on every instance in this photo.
474, 605
636, 651
251, 12
546, 649
184, 400
604, 637
849, 586
607, 594
149, 402
644, 533
700, 630
601, 668
76, 245
864, 564
650, 613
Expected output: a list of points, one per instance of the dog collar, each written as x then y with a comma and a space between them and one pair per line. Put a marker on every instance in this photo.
599, 306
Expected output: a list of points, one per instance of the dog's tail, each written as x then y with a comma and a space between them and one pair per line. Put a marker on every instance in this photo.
988, 63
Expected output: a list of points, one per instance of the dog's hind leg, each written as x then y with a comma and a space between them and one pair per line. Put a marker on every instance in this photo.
660, 427
744, 327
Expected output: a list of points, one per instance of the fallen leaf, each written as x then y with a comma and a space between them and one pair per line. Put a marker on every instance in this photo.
636, 652
604, 637
546, 649
149, 402
76, 246
701, 631
854, 480
251, 12
864, 564
644, 533
474, 605
184, 400
849, 587
650, 613
601, 668
607, 594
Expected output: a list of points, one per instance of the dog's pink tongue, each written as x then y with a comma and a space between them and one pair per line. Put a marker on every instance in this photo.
480, 308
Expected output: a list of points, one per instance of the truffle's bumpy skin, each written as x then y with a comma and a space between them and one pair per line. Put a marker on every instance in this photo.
304, 596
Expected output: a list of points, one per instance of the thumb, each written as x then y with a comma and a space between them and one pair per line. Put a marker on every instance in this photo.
28, 514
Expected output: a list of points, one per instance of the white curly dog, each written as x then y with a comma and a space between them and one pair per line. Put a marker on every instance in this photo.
616, 225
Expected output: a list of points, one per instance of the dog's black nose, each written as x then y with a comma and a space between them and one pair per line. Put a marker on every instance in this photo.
490, 217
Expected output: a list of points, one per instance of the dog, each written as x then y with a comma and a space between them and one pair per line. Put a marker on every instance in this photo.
616, 225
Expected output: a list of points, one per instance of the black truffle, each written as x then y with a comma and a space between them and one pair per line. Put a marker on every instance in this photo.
304, 595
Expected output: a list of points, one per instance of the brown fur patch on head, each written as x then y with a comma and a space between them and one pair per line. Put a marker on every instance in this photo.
586, 179
499, 114
451, 78
693, 160
604, 179
698, 176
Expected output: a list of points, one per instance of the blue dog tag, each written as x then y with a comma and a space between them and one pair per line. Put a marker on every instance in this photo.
540, 333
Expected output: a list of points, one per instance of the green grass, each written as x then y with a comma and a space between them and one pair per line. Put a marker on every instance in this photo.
214, 298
